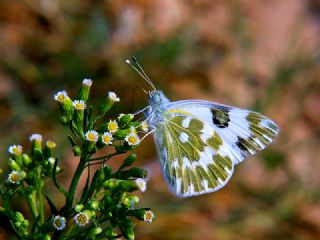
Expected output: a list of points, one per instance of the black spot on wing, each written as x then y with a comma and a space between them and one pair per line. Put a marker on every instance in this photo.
241, 143
220, 117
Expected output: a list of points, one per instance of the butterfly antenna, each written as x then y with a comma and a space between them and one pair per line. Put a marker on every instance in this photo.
141, 72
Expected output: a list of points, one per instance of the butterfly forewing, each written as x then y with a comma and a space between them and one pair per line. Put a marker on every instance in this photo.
192, 155
243, 132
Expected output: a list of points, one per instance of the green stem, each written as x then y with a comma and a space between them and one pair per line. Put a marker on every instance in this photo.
74, 184
40, 197
31, 198
104, 157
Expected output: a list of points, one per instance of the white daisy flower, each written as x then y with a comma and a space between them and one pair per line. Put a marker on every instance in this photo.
15, 177
132, 139
87, 82
92, 136
113, 97
141, 184
79, 104
81, 219
107, 138
113, 126
61, 96
59, 222
15, 149
148, 216
35, 137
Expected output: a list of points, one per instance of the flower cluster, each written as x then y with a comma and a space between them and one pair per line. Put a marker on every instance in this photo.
105, 206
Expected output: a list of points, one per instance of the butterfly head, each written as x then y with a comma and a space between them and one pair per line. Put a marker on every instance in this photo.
156, 97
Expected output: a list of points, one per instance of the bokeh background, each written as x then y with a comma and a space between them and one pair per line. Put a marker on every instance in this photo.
261, 55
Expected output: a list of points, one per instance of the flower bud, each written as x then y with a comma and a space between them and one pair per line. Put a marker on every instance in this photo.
19, 217
142, 214
79, 207
107, 103
66, 107
84, 91
48, 149
128, 161
26, 159
124, 119
95, 231
79, 106
13, 165
36, 141
94, 205
76, 150
127, 228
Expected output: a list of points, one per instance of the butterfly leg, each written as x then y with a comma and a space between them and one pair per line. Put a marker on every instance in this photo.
142, 110
148, 133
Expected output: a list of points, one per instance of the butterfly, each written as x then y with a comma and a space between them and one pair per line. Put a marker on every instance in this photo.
200, 142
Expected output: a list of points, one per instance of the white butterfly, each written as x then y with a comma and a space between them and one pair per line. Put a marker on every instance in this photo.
199, 142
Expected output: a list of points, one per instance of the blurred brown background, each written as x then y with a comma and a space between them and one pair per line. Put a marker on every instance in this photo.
261, 55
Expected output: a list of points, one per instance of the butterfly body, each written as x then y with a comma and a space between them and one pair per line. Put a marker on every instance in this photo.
199, 142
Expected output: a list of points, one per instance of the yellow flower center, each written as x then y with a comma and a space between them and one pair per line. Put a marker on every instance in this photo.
113, 127
15, 178
106, 139
132, 139
58, 223
148, 216
82, 219
61, 97
79, 106
15, 150
91, 136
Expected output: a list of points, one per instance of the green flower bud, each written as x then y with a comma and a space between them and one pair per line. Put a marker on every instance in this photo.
19, 217
26, 159
13, 165
79, 207
46, 237
25, 223
122, 134
124, 119
79, 106
107, 103
18, 224
127, 228
84, 91
66, 107
76, 150
36, 140
48, 149
142, 214
128, 161
95, 231
94, 205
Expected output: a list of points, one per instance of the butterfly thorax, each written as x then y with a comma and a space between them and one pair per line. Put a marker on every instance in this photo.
158, 105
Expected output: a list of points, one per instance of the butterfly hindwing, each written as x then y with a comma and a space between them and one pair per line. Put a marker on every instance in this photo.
192, 155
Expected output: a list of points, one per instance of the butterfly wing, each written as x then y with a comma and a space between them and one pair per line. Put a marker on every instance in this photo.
191, 165
200, 142
244, 132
